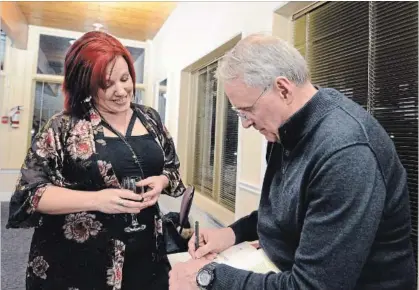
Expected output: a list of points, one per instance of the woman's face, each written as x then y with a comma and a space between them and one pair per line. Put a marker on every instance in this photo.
116, 98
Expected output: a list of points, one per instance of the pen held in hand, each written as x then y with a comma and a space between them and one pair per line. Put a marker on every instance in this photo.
196, 235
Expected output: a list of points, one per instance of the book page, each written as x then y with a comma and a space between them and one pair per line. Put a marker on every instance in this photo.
241, 256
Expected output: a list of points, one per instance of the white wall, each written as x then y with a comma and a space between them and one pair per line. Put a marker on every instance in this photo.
196, 28
192, 31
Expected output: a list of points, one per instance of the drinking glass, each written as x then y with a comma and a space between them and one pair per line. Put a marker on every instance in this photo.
129, 183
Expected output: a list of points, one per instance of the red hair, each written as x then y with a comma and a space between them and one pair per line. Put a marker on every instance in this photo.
85, 68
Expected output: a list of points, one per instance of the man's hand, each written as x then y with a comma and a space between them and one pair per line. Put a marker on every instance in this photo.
211, 241
183, 275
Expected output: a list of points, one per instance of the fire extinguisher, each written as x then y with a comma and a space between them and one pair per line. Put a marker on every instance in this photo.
15, 116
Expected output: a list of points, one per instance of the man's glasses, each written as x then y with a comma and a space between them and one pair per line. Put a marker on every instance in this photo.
240, 112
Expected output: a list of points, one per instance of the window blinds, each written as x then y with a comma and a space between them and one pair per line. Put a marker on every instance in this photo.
229, 158
369, 51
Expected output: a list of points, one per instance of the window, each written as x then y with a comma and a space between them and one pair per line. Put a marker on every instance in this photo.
2, 74
369, 51
139, 96
215, 140
138, 55
2, 49
49, 100
51, 54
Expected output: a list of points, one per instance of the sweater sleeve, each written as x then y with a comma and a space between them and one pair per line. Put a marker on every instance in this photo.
346, 201
245, 229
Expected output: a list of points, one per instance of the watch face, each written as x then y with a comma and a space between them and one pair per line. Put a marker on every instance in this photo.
204, 278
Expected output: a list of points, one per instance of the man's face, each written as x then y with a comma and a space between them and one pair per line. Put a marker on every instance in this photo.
261, 108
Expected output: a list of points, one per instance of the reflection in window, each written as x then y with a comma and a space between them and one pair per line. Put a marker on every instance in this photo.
139, 96
49, 100
162, 100
51, 55
2, 49
2, 90
138, 54
162, 106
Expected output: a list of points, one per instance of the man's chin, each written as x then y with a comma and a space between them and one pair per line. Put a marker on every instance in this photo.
270, 137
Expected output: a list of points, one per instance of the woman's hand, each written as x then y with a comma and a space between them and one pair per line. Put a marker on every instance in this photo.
113, 200
156, 184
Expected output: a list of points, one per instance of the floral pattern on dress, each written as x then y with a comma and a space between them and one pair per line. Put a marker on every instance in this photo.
80, 144
106, 172
114, 273
39, 267
46, 145
64, 154
34, 199
81, 226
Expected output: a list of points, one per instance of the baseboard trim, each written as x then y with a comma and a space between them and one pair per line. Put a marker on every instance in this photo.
256, 190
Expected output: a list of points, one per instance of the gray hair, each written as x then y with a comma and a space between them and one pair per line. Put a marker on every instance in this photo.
259, 59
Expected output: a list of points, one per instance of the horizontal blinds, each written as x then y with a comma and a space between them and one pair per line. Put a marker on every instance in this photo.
395, 86
205, 131
229, 159
338, 48
369, 51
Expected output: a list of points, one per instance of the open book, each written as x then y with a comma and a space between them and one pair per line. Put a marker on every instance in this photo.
242, 256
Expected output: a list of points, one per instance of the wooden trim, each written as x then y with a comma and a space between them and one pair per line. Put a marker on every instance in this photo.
213, 55
48, 78
14, 23
219, 138
140, 86
308, 9
292, 7
253, 189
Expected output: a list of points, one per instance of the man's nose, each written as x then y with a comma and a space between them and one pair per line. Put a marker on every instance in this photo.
246, 123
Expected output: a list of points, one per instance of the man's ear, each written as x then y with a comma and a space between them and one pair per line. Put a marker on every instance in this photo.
284, 88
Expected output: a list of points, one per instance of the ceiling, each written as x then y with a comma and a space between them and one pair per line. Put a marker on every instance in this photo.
130, 20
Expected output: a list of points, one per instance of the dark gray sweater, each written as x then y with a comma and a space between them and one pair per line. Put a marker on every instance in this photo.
334, 208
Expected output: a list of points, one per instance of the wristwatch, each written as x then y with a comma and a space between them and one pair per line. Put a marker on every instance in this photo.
206, 276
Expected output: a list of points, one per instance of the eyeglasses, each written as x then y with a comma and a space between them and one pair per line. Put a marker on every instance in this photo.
240, 112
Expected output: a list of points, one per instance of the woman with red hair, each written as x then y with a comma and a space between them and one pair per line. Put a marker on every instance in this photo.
91, 231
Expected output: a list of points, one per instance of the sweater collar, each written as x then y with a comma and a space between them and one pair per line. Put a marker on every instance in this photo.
305, 119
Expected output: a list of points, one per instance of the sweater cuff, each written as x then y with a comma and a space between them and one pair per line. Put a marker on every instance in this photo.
227, 277
238, 232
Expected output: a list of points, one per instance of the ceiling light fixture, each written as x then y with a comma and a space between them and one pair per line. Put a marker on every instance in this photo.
97, 26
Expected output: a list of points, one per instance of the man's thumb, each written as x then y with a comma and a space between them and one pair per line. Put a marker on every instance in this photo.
202, 251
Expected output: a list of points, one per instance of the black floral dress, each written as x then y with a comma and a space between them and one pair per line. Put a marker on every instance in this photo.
90, 250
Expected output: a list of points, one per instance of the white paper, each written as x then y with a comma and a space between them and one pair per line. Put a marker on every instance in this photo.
241, 256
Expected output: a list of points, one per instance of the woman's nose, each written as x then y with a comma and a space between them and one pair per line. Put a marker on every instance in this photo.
120, 90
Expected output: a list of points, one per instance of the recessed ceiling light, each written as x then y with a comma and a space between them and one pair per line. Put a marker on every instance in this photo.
97, 26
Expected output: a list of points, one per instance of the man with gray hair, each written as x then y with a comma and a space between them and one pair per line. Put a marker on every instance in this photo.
334, 208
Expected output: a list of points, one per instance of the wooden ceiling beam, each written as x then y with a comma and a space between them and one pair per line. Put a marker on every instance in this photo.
14, 23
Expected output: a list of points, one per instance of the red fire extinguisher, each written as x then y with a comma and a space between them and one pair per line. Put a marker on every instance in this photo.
14, 116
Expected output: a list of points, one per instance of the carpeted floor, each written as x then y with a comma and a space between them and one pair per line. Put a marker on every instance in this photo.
14, 253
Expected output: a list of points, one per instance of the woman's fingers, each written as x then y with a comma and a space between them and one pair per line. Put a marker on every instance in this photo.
126, 194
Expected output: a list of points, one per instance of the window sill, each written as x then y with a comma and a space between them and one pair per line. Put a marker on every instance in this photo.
217, 212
